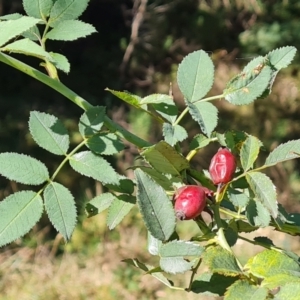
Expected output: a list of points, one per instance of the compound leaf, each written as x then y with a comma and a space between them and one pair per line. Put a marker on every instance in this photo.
91, 165
63, 10
270, 262
205, 114
195, 75
165, 159
174, 133
155, 206
221, 261
49, 132
281, 57
60, 62
248, 86
61, 209
13, 28
283, 152
105, 143
91, 121
249, 152
243, 289
119, 208
28, 47
264, 190
23, 168
99, 204
19, 213
39, 9
257, 214
70, 30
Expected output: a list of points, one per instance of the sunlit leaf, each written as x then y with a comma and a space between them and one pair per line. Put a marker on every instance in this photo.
155, 206
174, 133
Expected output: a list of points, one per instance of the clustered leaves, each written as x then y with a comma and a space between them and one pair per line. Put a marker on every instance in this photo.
246, 196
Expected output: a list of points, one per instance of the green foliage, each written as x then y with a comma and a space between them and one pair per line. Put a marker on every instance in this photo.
49, 132
155, 206
23, 168
19, 213
60, 207
247, 202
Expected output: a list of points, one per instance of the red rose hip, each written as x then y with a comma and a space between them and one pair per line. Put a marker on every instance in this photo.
222, 166
189, 202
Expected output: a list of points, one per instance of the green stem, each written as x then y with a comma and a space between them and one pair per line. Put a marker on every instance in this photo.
185, 111
220, 234
67, 158
194, 272
69, 94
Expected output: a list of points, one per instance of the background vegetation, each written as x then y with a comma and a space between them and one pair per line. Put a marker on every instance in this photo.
138, 47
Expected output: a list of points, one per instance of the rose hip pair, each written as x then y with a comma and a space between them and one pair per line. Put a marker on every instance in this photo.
190, 200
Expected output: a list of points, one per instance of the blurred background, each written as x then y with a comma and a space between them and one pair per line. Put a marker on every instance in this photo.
138, 47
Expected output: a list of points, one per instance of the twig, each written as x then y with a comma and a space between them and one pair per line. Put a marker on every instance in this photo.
136, 23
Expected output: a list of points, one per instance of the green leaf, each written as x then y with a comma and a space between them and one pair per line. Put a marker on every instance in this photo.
264, 190
49, 132
91, 165
99, 204
14, 16
120, 207
175, 265
211, 284
23, 168
199, 141
129, 98
91, 121
27, 47
248, 86
180, 249
243, 289
221, 261
63, 10
270, 262
205, 114
249, 152
290, 291
272, 282
257, 214
165, 159
165, 182
34, 35
244, 226
174, 133
39, 9
195, 75
163, 105
13, 28
281, 57
155, 206
61, 209
237, 198
105, 143
19, 213
283, 152
60, 62
125, 186
153, 244
70, 30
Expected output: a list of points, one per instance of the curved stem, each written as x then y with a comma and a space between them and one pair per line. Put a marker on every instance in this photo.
69, 94
194, 272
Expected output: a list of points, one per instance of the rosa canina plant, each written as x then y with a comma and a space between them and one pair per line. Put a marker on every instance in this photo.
235, 192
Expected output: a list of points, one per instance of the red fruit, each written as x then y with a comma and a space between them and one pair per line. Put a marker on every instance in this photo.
222, 166
189, 201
